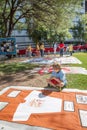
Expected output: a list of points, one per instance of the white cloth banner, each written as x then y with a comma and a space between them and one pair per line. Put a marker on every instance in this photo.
36, 102
61, 60
68, 70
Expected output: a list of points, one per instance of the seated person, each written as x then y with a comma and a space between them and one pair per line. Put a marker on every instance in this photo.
58, 77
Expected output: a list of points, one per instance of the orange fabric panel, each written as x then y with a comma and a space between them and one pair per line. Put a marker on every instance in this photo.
64, 120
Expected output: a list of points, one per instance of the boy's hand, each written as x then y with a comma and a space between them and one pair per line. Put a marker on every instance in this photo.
61, 84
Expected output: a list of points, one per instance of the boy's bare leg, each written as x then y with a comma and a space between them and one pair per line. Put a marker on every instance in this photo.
56, 80
59, 85
52, 84
49, 82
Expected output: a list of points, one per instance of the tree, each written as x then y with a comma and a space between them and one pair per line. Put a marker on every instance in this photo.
38, 35
53, 20
78, 31
45, 13
84, 21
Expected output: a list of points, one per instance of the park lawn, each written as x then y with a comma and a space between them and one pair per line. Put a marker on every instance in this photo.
9, 68
82, 57
78, 81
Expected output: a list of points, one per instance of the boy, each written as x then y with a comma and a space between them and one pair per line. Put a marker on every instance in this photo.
58, 77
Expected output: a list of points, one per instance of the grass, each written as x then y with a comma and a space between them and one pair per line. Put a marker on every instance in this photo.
15, 67
83, 58
78, 81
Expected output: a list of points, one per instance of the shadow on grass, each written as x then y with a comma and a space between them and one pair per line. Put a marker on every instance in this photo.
15, 67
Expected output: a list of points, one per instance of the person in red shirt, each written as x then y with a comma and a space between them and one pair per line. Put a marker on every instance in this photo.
61, 47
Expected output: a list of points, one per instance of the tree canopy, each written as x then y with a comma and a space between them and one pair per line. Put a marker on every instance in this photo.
79, 30
49, 14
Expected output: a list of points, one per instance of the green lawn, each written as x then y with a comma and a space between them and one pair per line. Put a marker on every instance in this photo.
78, 81
15, 67
83, 58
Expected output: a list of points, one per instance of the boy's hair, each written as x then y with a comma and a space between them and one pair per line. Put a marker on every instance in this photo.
56, 66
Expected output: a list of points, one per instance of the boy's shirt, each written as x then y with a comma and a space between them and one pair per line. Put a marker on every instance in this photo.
60, 75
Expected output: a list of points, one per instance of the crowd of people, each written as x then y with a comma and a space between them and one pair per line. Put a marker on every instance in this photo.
40, 49
62, 48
